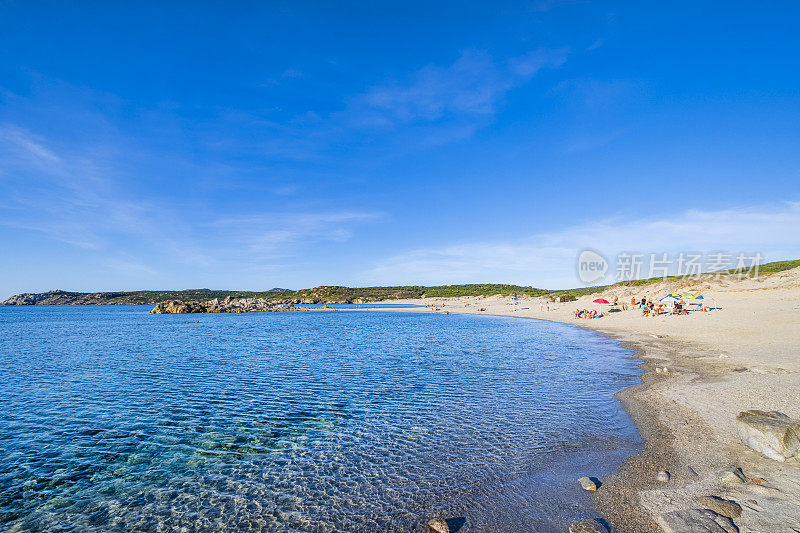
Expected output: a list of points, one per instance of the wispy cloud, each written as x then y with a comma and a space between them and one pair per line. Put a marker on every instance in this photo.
430, 106
281, 233
22, 144
471, 86
548, 259
70, 195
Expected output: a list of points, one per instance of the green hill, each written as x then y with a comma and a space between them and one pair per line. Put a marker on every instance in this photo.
337, 294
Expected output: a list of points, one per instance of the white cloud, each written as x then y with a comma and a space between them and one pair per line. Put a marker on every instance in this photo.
548, 259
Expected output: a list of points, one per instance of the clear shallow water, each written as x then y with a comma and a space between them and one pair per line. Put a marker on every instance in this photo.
113, 419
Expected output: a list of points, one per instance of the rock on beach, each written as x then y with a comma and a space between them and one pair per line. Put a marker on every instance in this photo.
721, 506
696, 521
770, 433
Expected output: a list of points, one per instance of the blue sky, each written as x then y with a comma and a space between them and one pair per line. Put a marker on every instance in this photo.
200, 144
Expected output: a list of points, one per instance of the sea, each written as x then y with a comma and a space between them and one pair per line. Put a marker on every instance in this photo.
113, 419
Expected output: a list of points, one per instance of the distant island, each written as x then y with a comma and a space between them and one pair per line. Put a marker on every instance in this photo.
333, 294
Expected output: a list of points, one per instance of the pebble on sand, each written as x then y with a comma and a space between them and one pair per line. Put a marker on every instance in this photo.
587, 526
662, 476
587, 483
732, 475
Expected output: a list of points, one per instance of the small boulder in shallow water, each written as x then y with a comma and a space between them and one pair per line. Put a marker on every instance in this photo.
438, 525
695, 521
770, 433
587, 483
587, 526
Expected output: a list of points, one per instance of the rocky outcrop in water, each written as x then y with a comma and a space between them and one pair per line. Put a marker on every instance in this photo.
225, 305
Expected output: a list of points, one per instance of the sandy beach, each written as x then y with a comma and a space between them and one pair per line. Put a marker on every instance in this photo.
741, 356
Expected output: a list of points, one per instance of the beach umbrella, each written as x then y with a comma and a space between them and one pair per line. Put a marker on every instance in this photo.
601, 301
700, 300
688, 295
670, 298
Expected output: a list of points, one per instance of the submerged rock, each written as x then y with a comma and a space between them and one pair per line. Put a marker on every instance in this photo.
438, 525
587, 526
721, 506
695, 521
587, 483
770, 433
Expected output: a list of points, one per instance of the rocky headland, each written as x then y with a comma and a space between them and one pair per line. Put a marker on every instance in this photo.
57, 298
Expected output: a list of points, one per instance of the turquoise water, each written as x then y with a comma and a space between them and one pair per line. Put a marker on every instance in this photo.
114, 419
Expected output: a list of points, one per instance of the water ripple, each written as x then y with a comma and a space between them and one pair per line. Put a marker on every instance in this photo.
118, 420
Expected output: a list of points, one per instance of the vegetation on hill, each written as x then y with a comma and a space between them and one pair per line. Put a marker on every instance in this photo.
768, 268
148, 297
337, 294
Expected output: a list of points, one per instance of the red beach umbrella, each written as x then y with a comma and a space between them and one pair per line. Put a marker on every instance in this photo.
601, 301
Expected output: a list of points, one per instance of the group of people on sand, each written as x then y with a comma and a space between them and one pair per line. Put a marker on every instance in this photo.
650, 309
586, 313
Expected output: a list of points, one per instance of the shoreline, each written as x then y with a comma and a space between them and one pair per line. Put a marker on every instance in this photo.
613, 502
686, 414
